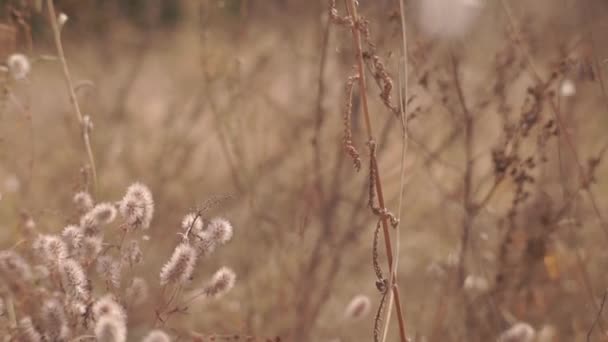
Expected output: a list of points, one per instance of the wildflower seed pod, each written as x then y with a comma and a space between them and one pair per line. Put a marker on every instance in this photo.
54, 320
51, 249
221, 283
108, 306
193, 223
110, 329
72, 235
220, 230
104, 213
18, 66
101, 214
74, 280
157, 336
75, 310
180, 266
137, 206
204, 243
358, 308
83, 201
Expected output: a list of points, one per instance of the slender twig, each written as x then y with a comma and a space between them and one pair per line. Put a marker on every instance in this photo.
352, 11
570, 144
68, 80
468, 173
403, 96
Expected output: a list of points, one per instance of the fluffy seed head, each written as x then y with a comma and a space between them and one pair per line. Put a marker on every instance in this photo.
180, 267
137, 292
72, 235
51, 249
18, 66
101, 214
83, 201
204, 243
107, 306
54, 319
137, 206
27, 331
192, 222
157, 336
104, 213
220, 230
110, 328
222, 282
73, 279
519, 332
358, 308
76, 310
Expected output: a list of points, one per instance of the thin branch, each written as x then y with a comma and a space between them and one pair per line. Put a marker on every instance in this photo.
352, 11
468, 173
74, 101
403, 100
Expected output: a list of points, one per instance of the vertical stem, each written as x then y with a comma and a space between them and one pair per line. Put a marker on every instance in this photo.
73, 100
352, 9
468, 174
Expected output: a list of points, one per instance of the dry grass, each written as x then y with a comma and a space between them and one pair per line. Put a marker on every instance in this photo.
479, 200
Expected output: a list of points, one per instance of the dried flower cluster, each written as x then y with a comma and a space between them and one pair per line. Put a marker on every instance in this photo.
84, 282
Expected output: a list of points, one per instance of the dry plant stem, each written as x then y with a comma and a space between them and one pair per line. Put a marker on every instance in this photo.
569, 143
556, 112
403, 78
352, 9
319, 108
468, 174
72, 93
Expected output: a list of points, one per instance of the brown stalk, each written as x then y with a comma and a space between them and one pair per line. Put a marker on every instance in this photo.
352, 11
73, 100
468, 174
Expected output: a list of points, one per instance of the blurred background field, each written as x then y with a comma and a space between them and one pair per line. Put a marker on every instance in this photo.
244, 99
